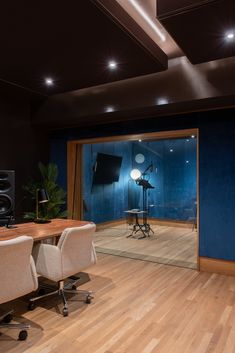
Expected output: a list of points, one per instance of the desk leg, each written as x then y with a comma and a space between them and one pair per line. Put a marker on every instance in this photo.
134, 227
140, 228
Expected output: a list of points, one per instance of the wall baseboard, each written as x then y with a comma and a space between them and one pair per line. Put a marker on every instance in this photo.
223, 267
154, 221
170, 223
110, 223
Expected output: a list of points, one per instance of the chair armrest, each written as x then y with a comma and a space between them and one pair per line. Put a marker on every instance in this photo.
34, 273
94, 253
48, 262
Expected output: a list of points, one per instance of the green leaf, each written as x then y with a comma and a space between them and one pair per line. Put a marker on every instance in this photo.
57, 196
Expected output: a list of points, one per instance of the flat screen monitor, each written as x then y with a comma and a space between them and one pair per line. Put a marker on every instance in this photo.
106, 169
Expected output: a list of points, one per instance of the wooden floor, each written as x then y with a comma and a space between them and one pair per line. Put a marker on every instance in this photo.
139, 307
168, 245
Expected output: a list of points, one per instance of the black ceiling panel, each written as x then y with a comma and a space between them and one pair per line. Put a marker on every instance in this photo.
200, 29
70, 41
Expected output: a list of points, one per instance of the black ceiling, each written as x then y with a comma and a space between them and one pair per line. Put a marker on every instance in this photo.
70, 41
200, 27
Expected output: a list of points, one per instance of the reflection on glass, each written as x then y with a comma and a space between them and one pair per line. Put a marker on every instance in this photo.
173, 175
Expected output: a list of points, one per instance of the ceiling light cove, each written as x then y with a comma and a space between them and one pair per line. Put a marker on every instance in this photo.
146, 17
49, 81
112, 65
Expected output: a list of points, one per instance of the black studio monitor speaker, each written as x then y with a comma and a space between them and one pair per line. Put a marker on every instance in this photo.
7, 196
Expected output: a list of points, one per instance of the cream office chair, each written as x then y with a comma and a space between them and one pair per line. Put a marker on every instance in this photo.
74, 253
17, 275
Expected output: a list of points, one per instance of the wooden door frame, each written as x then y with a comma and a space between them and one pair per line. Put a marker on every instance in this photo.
75, 169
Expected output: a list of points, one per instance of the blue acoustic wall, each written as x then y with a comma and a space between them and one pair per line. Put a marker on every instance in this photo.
106, 202
173, 177
216, 169
217, 189
58, 155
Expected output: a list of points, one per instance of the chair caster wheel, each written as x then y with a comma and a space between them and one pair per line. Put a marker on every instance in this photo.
74, 287
23, 335
88, 299
31, 306
65, 312
8, 318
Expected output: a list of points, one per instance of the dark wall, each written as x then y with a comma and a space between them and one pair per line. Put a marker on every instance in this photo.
216, 169
21, 146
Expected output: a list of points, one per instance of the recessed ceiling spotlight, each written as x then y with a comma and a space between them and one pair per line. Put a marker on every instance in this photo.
49, 81
193, 136
187, 162
140, 140
146, 17
171, 150
162, 101
109, 109
230, 35
112, 65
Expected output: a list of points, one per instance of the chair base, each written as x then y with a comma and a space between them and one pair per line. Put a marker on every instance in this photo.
61, 291
6, 318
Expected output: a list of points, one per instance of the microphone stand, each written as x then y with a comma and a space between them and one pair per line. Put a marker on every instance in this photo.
145, 227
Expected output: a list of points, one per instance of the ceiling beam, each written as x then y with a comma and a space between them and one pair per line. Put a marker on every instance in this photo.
128, 24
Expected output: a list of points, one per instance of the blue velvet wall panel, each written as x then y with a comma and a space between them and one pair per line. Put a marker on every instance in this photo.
217, 191
106, 202
173, 177
58, 155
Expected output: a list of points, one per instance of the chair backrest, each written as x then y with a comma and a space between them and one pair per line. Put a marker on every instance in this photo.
77, 249
17, 271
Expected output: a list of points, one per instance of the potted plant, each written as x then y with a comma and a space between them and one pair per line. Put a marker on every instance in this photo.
48, 181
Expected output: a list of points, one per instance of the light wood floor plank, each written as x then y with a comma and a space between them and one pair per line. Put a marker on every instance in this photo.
139, 307
168, 245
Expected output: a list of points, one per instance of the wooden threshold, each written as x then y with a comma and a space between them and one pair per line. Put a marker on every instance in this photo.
109, 224
170, 223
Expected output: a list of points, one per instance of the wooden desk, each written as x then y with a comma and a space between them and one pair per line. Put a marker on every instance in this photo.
40, 231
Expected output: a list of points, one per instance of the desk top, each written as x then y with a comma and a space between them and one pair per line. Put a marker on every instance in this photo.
40, 231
